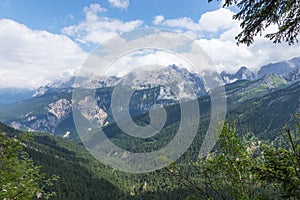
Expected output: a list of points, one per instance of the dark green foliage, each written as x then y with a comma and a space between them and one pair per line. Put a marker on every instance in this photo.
266, 116
281, 166
239, 170
224, 174
20, 178
77, 181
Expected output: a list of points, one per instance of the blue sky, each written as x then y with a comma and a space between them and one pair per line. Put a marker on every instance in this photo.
55, 14
41, 41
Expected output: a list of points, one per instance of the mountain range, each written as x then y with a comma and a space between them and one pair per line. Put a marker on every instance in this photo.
279, 68
10, 95
50, 107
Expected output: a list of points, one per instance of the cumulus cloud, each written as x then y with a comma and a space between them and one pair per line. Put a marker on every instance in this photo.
227, 56
213, 21
96, 28
123, 4
217, 20
158, 19
215, 32
31, 58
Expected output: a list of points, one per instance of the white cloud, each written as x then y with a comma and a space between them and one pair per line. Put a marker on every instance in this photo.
94, 8
152, 47
123, 4
183, 22
98, 29
219, 30
213, 21
132, 61
178, 23
30, 58
184, 25
158, 19
230, 57
217, 20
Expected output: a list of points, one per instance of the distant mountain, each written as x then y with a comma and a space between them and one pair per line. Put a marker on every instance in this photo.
279, 68
169, 79
243, 90
242, 74
91, 82
176, 83
50, 108
61, 83
10, 95
293, 75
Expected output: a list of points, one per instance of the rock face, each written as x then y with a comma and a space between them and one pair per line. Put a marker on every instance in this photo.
44, 119
92, 112
40, 91
60, 108
176, 83
293, 75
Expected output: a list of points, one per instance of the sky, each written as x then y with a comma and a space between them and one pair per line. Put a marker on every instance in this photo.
41, 41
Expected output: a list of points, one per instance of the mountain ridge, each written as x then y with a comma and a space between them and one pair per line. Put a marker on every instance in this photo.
52, 111
278, 68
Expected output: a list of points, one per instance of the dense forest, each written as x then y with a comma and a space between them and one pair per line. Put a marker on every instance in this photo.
238, 168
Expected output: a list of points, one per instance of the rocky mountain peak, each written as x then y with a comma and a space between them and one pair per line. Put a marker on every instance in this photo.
242, 74
279, 68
